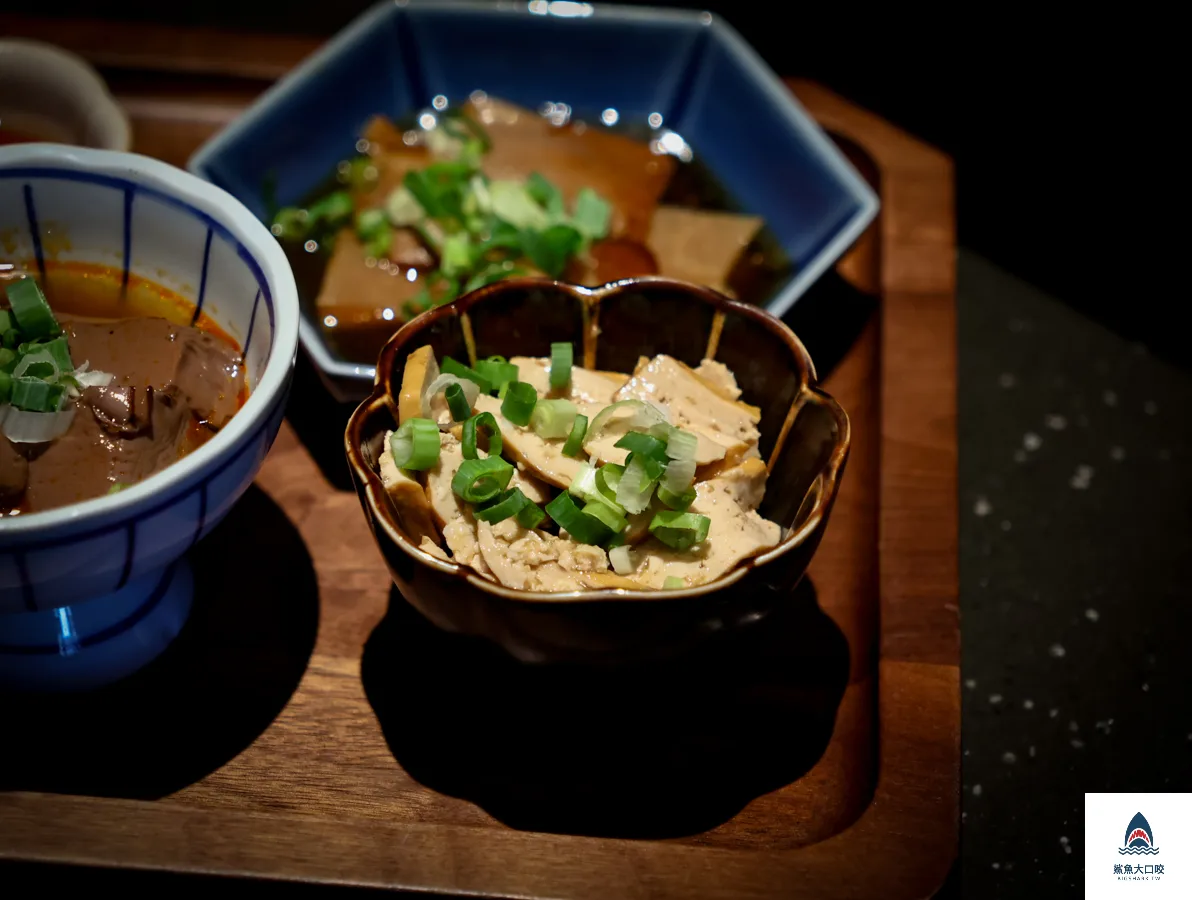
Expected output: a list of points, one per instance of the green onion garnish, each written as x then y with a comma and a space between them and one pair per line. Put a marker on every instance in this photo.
592, 214
679, 530
8, 359
497, 371
291, 223
553, 418
678, 502
484, 420
680, 471
334, 209
584, 528
607, 478
501, 507
457, 402
456, 256
644, 445
31, 311
545, 194
415, 445
5, 386
560, 365
636, 486
607, 515
481, 479
530, 515
519, 402
575, 440
116, 488
673, 583
6, 321
459, 370
370, 223
35, 395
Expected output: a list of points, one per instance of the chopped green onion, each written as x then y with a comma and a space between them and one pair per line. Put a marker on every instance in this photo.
8, 359
607, 478
592, 214
636, 485
403, 208
459, 370
35, 395
643, 444
497, 372
291, 223
360, 173
30, 309
483, 420
481, 479
379, 246
623, 560
116, 488
575, 440
679, 530
545, 194
678, 502
584, 528
680, 471
645, 415
503, 506
606, 514
456, 257
553, 418
560, 365
334, 209
457, 402
519, 402
370, 223
513, 203
415, 445
10, 339
5, 387
60, 351
530, 515
6, 321
673, 583
550, 249
584, 482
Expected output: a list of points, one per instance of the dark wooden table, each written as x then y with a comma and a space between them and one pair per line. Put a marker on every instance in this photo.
309, 727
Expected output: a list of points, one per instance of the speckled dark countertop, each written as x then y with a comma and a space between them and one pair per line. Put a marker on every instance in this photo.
1076, 517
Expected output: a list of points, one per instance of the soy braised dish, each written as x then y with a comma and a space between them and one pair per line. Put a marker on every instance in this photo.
105, 383
460, 196
545, 476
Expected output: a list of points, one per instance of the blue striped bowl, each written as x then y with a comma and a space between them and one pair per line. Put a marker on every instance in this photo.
91, 592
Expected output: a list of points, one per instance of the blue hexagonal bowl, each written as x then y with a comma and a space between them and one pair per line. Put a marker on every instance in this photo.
691, 68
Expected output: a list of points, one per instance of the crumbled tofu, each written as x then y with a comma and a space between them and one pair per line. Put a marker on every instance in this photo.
531, 560
429, 546
719, 377
413, 509
453, 515
590, 391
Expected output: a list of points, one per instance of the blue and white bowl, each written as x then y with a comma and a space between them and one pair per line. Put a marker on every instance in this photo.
685, 72
89, 593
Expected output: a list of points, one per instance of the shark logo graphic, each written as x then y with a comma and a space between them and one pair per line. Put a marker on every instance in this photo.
1139, 838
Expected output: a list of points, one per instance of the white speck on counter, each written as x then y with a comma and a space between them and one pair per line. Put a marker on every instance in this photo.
1110, 398
997, 865
1074, 725
982, 507
1052, 713
1083, 477
1006, 526
1145, 686
1092, 615
1116, 453
1055, 422
1077, 743
970, 683
1028, 703
1006, 379
1031, 751
1009, 758
995, 699
1057, 650
1032, 441
976, 790
1019, 456
1068, 849
1063, 839
1150, 407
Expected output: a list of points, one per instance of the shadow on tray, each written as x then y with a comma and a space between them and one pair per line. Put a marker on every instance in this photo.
639, 752
215, 689
319, 421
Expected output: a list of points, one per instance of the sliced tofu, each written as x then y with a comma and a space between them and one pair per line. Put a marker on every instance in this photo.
430, 547
420, 370
541, 458
746, 482
719, 377
590, 391
736, 533
700, 245
532, 560
409, 499
695, 407
453, 515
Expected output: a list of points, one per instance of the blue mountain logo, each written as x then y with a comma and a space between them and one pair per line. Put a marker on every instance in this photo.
1139, 837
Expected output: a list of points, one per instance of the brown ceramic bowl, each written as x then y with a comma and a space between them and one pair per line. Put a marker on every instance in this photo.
804, 439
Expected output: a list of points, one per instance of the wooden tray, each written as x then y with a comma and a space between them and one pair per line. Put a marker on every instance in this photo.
309, 726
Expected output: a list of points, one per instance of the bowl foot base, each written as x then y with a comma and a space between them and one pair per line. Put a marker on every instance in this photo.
99, 641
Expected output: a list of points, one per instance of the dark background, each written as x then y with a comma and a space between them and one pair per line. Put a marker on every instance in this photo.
1057, 124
